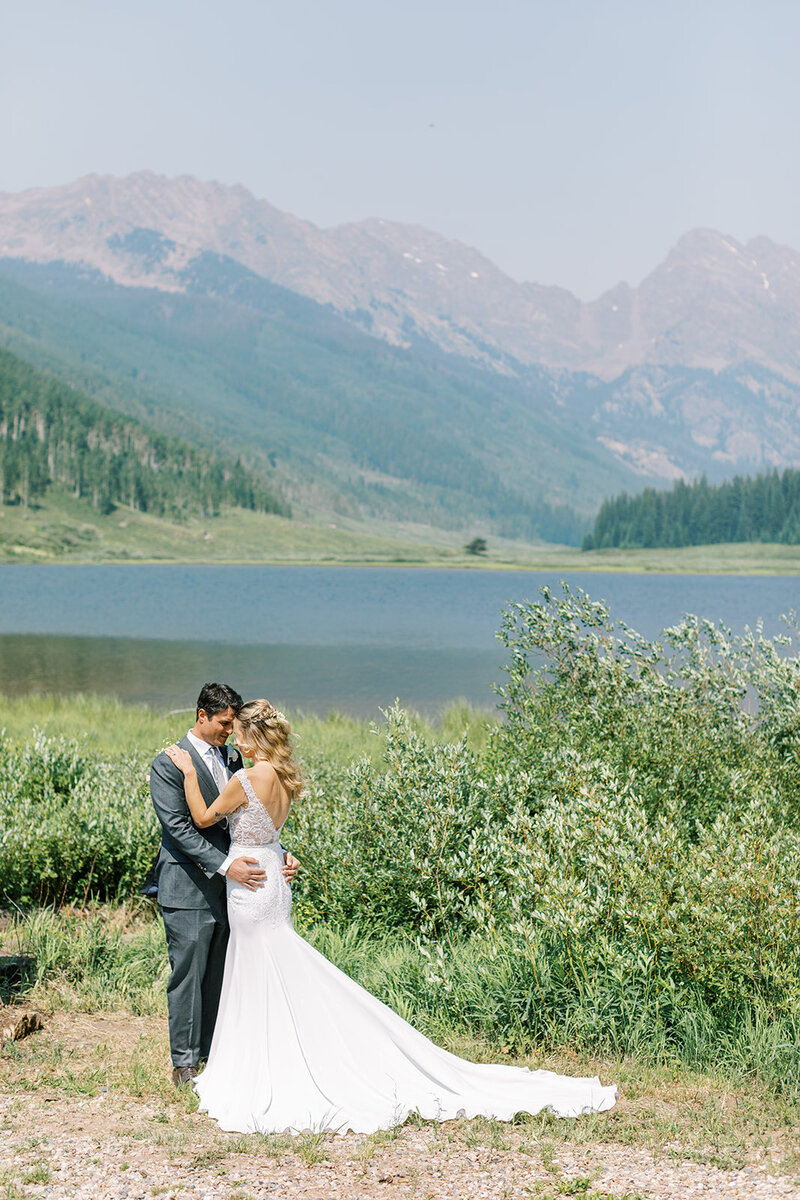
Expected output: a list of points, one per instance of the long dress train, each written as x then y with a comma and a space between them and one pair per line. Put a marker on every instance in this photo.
299, 1046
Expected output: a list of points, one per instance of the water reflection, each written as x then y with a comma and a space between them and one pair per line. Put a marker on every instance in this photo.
313, 637
354, 679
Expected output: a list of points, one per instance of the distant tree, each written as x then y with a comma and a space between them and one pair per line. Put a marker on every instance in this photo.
476, 546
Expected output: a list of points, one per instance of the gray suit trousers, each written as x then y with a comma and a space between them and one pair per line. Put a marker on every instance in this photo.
196, 941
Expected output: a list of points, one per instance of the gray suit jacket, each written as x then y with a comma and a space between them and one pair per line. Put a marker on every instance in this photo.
189, 859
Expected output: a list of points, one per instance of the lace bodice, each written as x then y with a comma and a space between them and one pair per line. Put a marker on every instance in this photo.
251, 824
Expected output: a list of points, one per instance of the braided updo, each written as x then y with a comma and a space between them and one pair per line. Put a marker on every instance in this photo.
266, 732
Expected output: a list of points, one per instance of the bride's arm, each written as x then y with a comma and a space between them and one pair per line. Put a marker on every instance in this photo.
230, 798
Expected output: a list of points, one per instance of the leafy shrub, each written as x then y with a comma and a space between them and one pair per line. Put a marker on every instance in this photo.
637, 809
401, 844
702, 718
71, 826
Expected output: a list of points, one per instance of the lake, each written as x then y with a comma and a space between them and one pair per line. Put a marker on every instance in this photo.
313, 638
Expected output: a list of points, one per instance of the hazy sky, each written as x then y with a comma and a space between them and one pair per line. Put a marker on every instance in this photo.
572, 141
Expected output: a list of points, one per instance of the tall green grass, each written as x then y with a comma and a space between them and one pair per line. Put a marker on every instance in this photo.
112, 957
107, 727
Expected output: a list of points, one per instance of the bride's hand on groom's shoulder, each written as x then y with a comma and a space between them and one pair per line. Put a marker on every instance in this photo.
181, 758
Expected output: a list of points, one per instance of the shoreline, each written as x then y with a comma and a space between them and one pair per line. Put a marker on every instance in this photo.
643, 564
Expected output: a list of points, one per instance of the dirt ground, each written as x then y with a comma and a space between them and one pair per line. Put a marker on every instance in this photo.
87, 1110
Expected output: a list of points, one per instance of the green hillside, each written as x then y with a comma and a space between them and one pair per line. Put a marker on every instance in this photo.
351, 424
51, 436
61, 528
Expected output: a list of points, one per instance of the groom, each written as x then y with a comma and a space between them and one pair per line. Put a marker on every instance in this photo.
190, 872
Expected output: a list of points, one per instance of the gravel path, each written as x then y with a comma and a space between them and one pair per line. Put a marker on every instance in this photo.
106, 1148
87, 1112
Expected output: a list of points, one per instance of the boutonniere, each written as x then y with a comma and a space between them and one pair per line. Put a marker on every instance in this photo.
233, 757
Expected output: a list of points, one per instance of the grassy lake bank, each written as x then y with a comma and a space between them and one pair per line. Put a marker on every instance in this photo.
65, 530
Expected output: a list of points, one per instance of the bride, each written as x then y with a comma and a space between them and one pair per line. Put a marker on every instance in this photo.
298, 1045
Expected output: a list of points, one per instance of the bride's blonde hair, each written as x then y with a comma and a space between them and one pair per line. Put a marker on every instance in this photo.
266, 731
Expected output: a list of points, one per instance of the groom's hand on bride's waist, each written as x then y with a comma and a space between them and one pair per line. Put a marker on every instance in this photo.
247, 872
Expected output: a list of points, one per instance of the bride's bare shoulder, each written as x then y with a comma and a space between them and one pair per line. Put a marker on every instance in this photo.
267, 782
264, 778
263, 771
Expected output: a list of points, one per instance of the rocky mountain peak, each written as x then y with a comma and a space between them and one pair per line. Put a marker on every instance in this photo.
711, 303
696, 368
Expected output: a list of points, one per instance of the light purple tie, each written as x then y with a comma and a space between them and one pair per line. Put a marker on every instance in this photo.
218, 771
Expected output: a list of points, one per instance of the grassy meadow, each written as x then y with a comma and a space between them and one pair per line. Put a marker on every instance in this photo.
608, 874
61, 528
107, 727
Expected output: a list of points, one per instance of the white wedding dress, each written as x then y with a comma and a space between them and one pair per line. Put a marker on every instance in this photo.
299, 1046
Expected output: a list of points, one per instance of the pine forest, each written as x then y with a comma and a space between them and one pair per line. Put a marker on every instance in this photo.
761, 508
51, 435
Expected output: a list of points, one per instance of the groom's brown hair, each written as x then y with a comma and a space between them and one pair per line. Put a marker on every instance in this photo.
216, 697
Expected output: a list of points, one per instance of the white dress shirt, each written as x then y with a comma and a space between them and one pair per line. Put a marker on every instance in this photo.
212, 759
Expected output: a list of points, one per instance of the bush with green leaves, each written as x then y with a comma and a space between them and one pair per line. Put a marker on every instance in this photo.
714, 907
438, 847
700, 719
638, 806
72, 826
402, 843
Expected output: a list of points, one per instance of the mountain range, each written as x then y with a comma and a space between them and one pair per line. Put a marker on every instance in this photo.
695, 370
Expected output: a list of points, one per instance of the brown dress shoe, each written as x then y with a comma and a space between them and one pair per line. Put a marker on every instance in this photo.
183, 1076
